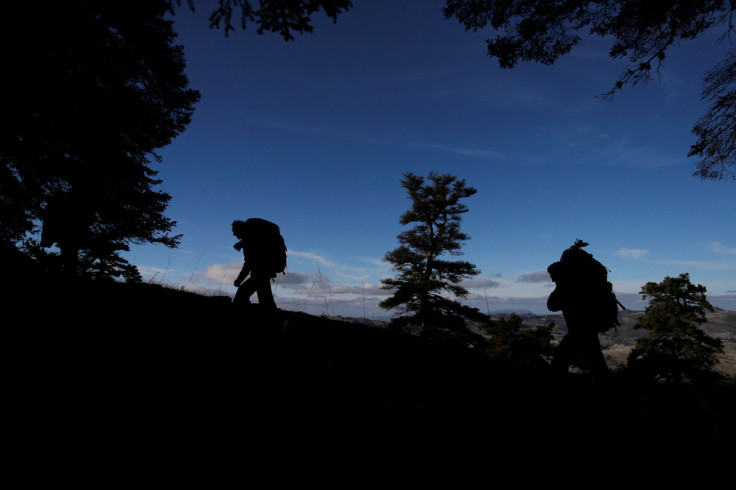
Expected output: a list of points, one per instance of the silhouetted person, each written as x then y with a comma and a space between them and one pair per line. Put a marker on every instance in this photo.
577, 276
264, 254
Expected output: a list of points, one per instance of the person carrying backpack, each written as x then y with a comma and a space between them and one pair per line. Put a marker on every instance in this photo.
264, 254
588, 305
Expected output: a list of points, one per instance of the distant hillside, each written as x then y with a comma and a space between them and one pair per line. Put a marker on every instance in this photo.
618, 343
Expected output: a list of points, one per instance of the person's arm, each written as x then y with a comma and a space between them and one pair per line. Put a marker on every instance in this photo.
245, 270
243, 274
555, 300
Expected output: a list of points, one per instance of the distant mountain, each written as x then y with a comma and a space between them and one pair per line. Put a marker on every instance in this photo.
511, 310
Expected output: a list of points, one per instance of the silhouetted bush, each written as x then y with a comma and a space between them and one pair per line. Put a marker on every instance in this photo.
676, 350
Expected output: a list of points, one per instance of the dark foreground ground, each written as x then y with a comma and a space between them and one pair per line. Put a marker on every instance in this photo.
150, 385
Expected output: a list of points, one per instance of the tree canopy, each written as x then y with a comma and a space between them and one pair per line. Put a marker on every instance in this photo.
676, 349
93, 90
422, 271
279, 16
642, 32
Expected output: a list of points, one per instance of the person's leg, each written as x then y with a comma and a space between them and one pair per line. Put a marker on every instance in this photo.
245, 291
590, 349
563, 355
265, 295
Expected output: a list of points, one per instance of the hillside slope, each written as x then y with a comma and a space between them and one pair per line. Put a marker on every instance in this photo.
143, 372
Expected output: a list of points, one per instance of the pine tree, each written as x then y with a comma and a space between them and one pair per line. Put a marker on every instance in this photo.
97, 89
422, 272
676, 349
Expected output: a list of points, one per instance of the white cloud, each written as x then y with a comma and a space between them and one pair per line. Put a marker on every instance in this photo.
468, 152
353, 136
293, 278
539, 276
355, 289
219, 273
480, 283
309, 256
698, 264
719, 248
631, 253
518, 304
222, 273
148, 271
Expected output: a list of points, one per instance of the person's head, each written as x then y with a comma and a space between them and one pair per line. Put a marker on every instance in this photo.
239, 229
555, 271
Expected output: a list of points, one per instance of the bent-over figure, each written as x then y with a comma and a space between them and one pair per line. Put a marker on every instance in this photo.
577, 293
264, 255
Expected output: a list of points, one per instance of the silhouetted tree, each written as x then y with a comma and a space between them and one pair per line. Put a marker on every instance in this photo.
281, 16
717, 128
509, 343
422, 273
93, 90
676, 349
642, 31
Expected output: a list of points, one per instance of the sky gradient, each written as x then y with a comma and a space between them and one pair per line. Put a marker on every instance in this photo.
315, 135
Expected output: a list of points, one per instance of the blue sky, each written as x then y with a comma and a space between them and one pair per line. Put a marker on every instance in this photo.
315, 135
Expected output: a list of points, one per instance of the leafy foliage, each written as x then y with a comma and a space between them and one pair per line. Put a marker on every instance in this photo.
97, 88
675, 350
642, 32
280, 16
422, 272
717, 128
511, 344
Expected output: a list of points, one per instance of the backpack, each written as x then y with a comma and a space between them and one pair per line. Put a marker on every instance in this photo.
584, 273
264, 248
610, 317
